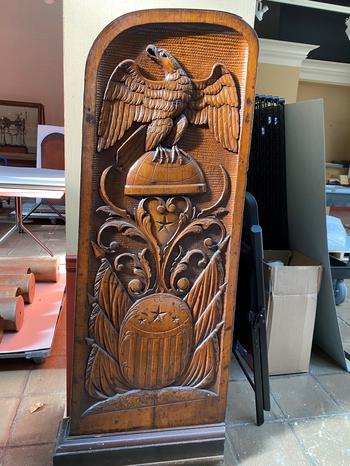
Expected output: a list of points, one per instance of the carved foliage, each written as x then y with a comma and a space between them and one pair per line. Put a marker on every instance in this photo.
157, 310
109, 303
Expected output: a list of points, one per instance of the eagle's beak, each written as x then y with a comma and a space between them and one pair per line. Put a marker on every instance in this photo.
152, 51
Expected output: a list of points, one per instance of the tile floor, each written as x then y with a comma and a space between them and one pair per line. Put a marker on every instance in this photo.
309, 423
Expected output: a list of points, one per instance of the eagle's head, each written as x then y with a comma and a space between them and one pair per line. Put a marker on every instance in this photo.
163, 58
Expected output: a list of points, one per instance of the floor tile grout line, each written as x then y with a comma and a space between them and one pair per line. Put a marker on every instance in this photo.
302, 446
12, 423
286, 420
232, 448
274, 399
28, 445
282, 377
343, 320
327, 392
332, 372
277, 403
20, 398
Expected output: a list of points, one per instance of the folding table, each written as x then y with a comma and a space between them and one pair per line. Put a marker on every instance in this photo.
21, 182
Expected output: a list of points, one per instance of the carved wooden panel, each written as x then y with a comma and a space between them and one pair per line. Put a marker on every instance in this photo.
166, 139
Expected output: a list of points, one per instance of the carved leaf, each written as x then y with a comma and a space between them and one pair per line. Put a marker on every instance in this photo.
103, 377
205, 300
217, 208
134, 264
210, 226
206, 286
111, 209
208, 319
145, 267
102, 331
144, 221
181, 267
112, 297
122, 226
108, 210
202, 370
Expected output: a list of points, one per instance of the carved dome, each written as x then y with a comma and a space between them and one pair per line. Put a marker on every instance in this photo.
149, 177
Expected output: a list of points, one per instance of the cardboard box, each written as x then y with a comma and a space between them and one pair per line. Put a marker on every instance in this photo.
291, 292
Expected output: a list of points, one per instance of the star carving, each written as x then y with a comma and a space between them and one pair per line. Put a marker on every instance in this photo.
158, 316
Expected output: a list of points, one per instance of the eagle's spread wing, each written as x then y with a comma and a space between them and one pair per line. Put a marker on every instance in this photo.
130, 97
215, 102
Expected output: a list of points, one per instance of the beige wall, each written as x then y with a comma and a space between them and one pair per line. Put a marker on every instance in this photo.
336, 115
278, 80
83, 21
284, 81
31, 52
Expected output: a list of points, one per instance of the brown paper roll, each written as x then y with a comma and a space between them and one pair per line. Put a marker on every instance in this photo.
2, 325
25, 282
12, 269
7, 291
45, 268
12, 311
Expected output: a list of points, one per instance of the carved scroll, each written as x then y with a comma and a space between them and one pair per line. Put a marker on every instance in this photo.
143, 335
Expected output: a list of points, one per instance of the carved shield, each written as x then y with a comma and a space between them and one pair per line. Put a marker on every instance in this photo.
156, 330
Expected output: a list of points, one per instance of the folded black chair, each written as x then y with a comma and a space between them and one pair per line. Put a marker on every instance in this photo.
249, 344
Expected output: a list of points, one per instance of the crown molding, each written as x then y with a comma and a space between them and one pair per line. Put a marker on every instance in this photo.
278, 52
329, 72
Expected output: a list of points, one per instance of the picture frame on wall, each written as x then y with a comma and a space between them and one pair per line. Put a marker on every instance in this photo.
18, 126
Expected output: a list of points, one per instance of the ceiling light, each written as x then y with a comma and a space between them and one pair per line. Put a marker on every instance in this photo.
347, 30
260, 10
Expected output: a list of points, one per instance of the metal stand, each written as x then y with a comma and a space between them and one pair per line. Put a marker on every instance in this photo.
37, 356
21, 228
250, 344
52, 207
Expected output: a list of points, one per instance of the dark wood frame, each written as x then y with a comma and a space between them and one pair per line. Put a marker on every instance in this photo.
16, 103
18, 158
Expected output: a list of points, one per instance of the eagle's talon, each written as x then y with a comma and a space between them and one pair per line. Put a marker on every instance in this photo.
162, 154
166, 155
179, 152
156, 154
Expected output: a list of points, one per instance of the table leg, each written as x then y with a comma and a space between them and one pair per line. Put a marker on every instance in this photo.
22, 228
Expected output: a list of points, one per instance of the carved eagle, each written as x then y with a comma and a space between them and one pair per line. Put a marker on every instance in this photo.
167, 106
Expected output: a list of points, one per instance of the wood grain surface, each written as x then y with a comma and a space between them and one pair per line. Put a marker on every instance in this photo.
162, 195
